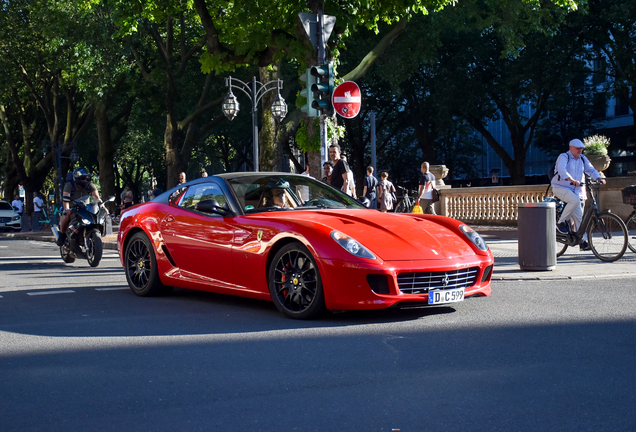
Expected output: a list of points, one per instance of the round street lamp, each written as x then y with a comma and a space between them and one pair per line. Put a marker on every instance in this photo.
231, 106
279, 108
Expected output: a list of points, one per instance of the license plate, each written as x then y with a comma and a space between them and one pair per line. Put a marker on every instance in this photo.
1, 223
446, 296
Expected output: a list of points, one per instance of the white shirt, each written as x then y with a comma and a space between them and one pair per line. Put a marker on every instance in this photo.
17, 204
37, 204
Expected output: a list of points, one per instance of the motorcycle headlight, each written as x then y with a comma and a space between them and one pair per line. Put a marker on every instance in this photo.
352, 246
86, 221
474, 237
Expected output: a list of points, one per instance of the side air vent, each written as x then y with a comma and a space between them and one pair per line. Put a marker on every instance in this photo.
379, 283
165, 250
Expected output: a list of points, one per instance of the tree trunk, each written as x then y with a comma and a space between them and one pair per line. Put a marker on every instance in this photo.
171, 142
106, 155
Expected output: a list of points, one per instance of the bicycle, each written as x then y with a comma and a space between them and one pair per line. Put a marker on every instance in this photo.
629, 197
404, 205
606, 232
45, 220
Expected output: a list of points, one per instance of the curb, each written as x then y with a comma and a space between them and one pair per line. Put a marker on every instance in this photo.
49, 238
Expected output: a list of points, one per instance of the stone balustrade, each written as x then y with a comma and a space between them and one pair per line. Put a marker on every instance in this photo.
498, 205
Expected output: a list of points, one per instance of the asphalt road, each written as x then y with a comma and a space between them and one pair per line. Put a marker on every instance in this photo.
80, 352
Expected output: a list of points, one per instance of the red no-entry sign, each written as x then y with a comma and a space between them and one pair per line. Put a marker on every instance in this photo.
346, 99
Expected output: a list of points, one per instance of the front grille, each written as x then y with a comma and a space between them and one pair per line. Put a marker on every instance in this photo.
422, 282
5, 219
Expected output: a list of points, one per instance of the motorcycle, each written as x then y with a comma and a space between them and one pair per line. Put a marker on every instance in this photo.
85, 230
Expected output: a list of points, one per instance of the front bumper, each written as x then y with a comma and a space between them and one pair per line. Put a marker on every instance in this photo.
348, 287
11, 224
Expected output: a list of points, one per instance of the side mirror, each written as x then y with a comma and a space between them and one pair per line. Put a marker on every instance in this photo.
213, 207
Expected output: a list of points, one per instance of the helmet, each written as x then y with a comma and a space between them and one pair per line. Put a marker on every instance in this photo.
82, 177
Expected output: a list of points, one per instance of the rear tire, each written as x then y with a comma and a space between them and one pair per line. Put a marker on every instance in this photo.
140, 264
95, 248
607, 237
65, 252
560, 248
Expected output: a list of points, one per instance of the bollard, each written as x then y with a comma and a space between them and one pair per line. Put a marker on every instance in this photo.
536, 226
109, 225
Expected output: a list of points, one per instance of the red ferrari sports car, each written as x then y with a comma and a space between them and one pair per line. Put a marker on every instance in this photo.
299, 243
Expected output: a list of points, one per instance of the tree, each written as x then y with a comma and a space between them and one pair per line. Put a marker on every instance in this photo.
37, 101
498, 84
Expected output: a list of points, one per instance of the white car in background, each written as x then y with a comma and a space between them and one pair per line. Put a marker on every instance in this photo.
9, 218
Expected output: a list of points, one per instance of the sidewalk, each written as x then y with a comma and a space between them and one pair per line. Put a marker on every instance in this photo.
574, 264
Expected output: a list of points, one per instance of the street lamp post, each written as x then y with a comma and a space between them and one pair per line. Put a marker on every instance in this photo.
231, 105
58, 149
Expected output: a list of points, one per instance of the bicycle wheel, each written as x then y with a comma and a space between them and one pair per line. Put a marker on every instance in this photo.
631, 232
402, 207
607, 237
560, 249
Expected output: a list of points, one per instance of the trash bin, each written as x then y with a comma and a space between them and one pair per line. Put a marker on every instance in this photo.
536, 226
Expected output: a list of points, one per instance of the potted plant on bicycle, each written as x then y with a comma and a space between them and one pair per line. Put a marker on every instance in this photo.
596, 151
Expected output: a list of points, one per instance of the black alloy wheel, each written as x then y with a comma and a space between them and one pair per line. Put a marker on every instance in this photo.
295, 284
141, 267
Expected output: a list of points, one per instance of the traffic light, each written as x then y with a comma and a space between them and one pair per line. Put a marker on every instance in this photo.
323, 88
307, 93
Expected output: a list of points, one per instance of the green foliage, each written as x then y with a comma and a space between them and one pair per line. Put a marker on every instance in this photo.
308, 134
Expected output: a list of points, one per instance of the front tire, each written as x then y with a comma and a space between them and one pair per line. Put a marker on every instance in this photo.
607, 237
295, 284
95, 248
141, 267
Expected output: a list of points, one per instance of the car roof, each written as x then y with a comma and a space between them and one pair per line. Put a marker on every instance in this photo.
232, 175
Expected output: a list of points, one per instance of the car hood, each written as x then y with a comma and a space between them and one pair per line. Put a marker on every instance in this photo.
8, 213
390, 236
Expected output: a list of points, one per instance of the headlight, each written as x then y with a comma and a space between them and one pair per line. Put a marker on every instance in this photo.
474, 237
351, 245
86, 221
15, 218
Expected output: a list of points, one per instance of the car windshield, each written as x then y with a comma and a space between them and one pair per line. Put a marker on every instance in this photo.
5, 206
277, 192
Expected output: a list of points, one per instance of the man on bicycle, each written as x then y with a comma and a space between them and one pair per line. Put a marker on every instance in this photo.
570, 171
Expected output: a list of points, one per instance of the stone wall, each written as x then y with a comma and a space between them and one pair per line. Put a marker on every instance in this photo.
498, 205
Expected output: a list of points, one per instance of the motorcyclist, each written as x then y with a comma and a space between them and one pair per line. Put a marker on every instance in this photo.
80, 186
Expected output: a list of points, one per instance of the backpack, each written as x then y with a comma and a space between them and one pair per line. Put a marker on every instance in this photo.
553, 171
71, 180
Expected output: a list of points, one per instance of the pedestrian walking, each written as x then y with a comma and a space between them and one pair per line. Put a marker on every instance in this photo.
386, 192
38, 215
425, 192
369, 191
